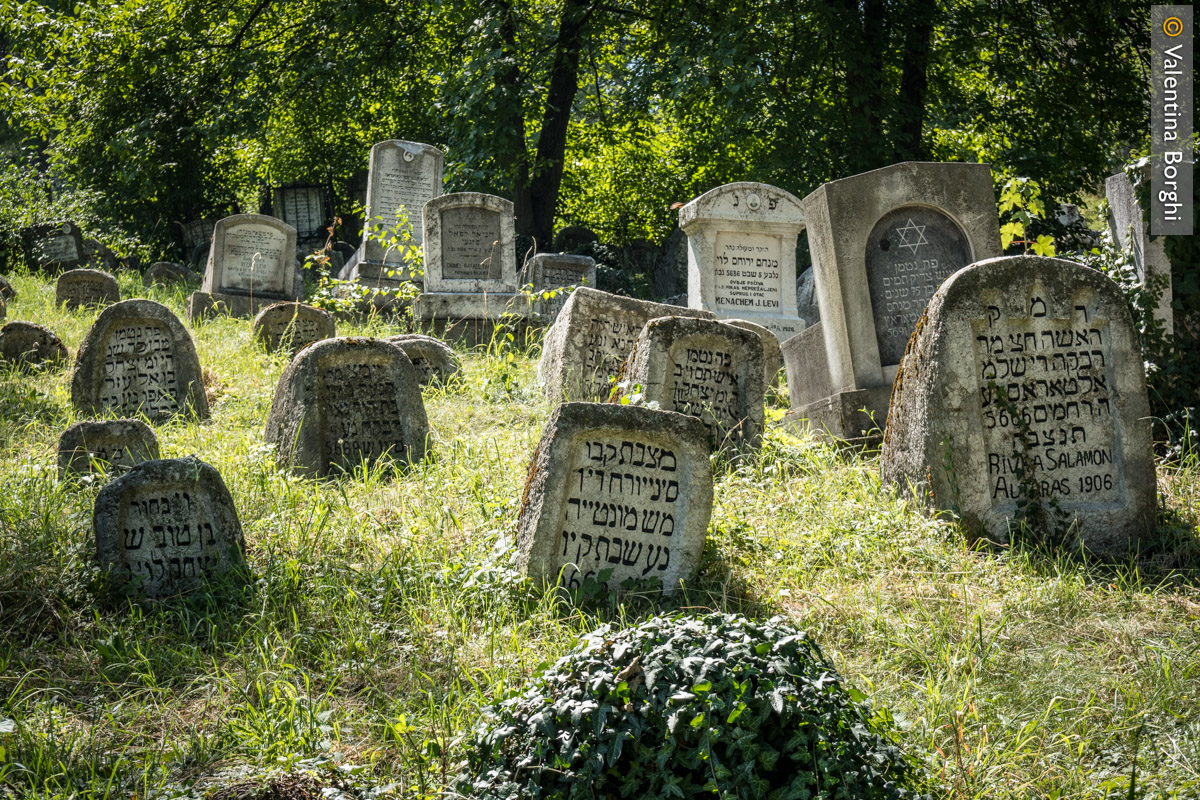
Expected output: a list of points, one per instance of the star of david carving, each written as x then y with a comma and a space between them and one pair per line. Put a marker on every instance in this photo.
912, 236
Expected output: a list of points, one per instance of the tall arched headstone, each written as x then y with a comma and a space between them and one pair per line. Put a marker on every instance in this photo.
252, 263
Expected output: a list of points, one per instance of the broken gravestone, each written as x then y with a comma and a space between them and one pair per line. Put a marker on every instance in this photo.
80, 288
1023, 395
434, 360
614, 493
30, 345
252, 263
346, 402
593, 335
114, 444
292, 326
166, 527
138, 359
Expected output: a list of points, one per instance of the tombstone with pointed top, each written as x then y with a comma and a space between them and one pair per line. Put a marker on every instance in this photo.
114, 444
251, 264
80, 288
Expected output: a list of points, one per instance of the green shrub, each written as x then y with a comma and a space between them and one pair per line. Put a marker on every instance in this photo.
687, 707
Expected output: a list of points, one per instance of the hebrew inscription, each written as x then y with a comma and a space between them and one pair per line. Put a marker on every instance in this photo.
747, 273
402, 179
303, 208
170, 539
608, 341
139, 371
705, 385
252, 259
470, 244
360, 418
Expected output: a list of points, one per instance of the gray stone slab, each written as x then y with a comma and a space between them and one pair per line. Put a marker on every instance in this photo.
402, 174
621, 488
1130, 232
303, 207
705, 369
469, 246
138, 359
166, 527
81, 288
292, 326
114, 444
435, 361
551, 277
30, 345
205, 305
1024, 383
253, 255
593, 335
168, 273
344, 402
53, 246
772, 354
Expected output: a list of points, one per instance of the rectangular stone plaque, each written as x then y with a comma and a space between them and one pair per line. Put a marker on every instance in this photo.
302, 207
252, 259
747, 273
139, 372
470, 244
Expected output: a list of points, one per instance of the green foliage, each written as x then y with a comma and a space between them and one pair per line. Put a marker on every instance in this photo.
687, 707
1020, 206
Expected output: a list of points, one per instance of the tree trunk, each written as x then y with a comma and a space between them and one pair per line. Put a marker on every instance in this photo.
864, 41
910, 111
511, 122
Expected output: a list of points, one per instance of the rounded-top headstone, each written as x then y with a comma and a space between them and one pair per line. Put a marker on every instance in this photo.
30, 345
79, 288
53, 246
253, 255
345, 402
138, 359
165, 527
99, 255
292, 326
772, 353
435, 361
116, 443
1022, 394
168, 273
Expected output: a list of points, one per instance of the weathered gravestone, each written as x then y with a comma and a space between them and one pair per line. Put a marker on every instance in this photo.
53, 246
168, 273
30, 345
1023, 392
1131, 232
705, 369
292, 326
301, 205
621, 488
252, 263
114, 443
403, 177
641, 255
881, 243
742, 254
593, 335
470, 266
79, 288
551, 275
138, 359
772, 355
166, 527
433, 359
573, 237
345, 402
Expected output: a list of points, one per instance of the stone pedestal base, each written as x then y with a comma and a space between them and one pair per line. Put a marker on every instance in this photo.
212, 304
857, 417
784, 328
470, 318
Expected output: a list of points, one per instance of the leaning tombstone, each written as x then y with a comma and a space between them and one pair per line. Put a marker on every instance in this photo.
1023, 396
552, 277
53, 246
616, 493
772, 356
80, 288
251, 264
434, 360
1131, 232
347, 402
292, 326
168, 273
705, 369
574, 237
167, 527
114, 444
742, 254
138, 359
593, 335
470, 266
881, 243
30, 345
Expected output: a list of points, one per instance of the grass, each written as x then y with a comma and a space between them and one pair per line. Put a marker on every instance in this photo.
385, 611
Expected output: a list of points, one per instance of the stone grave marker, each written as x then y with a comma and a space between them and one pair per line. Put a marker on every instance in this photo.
574, 237
166, 526
168, 273
1130, 232
742, 254
591, 339
881, 244
621, 488
1024, 382
302, 205
554, 273
292, 326
772, 355
641, 255
53, 246
79, 288
705, 369
434, 360
138, 359
252, 263
115, 443
196, 232
346, 401
30, 345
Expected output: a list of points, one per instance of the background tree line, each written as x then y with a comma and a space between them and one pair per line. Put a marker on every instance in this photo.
596, 112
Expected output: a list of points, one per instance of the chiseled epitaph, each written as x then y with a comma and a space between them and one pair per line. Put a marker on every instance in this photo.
626, 489
302, 207
138, 359
167, 526
705, 369
470, 241
593, 335
30, 345
909, 253
114, 443
79, 288
1023, 388
552, 275
434, 360
469, 246
402, 174
292, 326
253, 254
344, 402
54, 245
